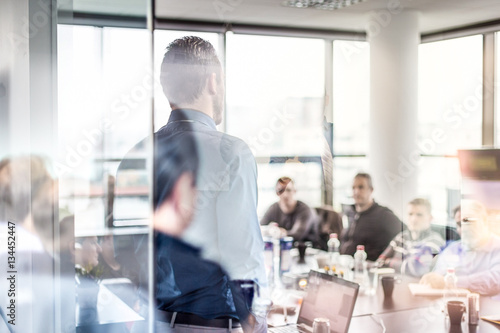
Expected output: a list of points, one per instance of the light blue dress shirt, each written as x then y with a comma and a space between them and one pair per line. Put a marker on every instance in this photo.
478, 270
225, 226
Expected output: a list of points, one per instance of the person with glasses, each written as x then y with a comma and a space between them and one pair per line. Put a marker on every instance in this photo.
476, 257
295, 218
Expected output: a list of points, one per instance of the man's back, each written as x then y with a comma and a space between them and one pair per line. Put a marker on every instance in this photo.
225, 225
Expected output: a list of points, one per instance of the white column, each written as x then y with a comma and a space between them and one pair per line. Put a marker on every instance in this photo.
394, 38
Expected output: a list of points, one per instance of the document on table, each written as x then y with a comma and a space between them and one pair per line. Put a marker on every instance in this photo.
418, 289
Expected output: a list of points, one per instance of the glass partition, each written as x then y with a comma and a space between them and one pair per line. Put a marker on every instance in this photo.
275, 102
496, 95
450, 109
351, 115
105, 94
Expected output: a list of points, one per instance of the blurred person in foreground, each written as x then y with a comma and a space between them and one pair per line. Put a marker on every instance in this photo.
370, 224
27, 193
476, 257
192, 294
412, 251
295, 218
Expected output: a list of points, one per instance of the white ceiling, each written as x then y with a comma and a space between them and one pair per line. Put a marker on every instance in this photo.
435, 14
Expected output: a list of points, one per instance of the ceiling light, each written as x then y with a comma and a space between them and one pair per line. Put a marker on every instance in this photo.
320, 4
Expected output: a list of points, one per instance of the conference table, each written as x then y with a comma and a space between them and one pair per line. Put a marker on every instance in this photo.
406, 313
111, 314
402, 313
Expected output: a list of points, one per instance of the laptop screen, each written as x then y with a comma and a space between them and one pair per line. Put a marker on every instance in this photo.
329, 297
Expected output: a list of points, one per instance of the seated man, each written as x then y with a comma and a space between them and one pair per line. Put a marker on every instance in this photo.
412, 250
370, 224
295, 217
476, 257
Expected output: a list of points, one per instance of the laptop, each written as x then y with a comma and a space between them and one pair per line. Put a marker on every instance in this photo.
329, 297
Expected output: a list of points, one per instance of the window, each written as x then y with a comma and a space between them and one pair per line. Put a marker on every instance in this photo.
351, 115
104, 99
450, 108
275, 102
103, 112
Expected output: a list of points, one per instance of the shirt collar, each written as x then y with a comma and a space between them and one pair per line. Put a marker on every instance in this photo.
190, 114
421, 235
372, 207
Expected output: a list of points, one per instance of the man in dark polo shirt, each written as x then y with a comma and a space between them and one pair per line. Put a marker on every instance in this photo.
370, 224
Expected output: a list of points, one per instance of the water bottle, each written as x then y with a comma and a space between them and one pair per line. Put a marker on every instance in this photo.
274, 234
450, 287
333, 249
360, 271
269, 260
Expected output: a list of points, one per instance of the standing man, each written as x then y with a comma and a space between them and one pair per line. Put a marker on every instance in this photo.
225, 225
370, 224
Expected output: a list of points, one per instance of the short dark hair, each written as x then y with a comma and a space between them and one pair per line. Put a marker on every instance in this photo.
282, 183
455, 210
421, 202
187, 63
175, 154
365, 176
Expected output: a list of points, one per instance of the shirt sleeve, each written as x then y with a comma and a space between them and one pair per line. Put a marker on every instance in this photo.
239, 238
395, 258
389, 226
435, 242
302, 224
388, 252
484, 282
444, 258
269, 216
394, 224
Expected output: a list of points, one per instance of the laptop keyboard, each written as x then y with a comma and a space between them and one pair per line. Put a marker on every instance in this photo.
288, 329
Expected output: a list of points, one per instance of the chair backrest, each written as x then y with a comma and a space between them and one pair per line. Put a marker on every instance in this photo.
329, 221
447, 232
